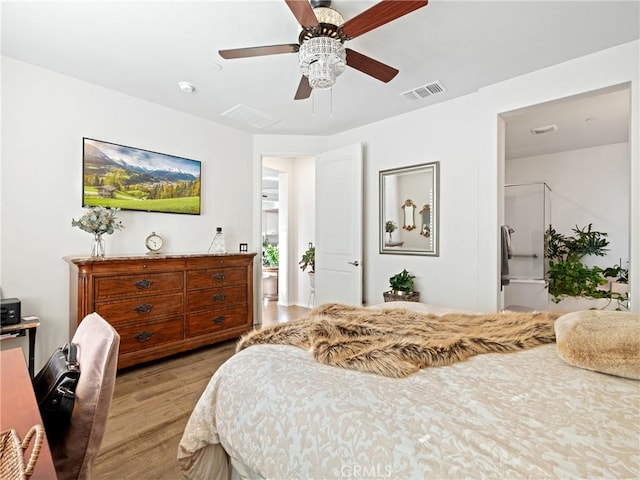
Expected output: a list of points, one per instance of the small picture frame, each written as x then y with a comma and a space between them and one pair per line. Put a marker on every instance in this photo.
244, 247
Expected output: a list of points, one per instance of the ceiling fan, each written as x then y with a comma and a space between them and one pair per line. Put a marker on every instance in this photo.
322, 55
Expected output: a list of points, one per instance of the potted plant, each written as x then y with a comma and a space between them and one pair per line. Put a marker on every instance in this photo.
402, 288
567, 276
308, 259
619, 278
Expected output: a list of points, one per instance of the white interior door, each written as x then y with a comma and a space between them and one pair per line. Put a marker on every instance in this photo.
339, 226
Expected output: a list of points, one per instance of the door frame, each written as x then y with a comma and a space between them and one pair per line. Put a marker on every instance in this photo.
292, 282
634, 185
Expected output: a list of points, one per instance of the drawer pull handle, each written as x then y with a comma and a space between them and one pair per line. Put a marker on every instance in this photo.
143, 336
218, 320
218, 276
143, 284
143, 308
218, 297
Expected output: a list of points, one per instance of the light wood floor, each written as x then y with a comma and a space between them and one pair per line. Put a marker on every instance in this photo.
152, 403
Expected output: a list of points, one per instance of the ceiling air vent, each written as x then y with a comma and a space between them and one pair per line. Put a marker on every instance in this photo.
423, 92
249, 116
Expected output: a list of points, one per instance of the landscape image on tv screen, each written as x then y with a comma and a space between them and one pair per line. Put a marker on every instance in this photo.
117, 176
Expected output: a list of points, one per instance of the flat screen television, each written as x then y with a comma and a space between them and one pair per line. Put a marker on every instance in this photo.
118, 176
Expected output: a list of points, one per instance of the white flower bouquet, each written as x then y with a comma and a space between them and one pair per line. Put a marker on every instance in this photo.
99, 220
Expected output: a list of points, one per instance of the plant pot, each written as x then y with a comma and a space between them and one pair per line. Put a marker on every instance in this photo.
621, 288
400, 296
575, 304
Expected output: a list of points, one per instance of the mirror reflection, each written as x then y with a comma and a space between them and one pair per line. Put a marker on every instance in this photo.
403, 193
409, 209
425, 215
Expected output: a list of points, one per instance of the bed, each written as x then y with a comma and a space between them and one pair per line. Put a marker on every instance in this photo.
272, 411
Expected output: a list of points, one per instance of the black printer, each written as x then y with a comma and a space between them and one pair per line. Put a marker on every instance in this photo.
10, 309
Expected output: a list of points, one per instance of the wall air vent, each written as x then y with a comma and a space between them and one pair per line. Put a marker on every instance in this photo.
545, 129
424, 91
249, 116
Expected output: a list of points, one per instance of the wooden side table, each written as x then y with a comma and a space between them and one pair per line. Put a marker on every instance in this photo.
19, 408
30, 324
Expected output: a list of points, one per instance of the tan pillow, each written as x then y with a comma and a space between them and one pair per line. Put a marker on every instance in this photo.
604, 341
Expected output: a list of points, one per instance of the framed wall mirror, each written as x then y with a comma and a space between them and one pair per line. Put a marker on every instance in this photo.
409, 210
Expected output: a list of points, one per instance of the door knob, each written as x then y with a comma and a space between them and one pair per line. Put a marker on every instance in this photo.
355, 263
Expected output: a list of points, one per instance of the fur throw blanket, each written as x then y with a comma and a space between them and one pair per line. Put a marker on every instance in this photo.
395, 342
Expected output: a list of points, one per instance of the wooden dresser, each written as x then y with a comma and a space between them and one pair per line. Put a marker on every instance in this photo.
164, 304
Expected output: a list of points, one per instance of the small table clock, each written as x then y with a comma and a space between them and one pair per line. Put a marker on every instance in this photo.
154, 243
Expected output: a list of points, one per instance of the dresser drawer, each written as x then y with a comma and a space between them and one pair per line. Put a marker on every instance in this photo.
138, 265
216, 298
147, 306
127, 285
220, 261
137, 335
216, 320
216, 277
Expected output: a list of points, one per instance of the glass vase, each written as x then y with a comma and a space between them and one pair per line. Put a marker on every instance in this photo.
98, 246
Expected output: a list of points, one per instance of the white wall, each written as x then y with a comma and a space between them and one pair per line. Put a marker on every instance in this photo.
44, 117
444, 132
463, 135
589, 185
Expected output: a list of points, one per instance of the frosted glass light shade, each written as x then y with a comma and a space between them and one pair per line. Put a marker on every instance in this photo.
322, 59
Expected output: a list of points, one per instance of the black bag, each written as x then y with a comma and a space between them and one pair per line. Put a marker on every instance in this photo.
55, 388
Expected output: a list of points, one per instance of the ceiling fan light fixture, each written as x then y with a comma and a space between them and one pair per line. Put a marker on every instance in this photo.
321, 60
328, 15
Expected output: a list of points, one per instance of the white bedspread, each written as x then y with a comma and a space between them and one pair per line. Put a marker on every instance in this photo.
520, 415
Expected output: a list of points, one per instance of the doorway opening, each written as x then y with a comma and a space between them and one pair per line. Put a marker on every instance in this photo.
579, 147
288, 225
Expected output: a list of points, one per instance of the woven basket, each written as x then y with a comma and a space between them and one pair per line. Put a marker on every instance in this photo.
390, 296
12, 450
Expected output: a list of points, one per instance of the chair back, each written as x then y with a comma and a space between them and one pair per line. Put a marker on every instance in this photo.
76, 450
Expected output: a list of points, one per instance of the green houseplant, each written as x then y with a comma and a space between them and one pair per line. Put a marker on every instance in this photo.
619, 278
567, 276
308, 260
270, 255
402, 282
617, 272
402, 288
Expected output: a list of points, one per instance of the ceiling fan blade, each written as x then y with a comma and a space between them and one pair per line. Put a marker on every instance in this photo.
303, 12
304, 89
370, 66
259, 51
381, 13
